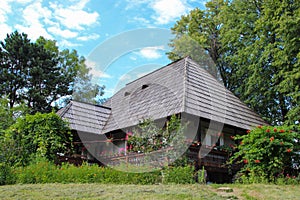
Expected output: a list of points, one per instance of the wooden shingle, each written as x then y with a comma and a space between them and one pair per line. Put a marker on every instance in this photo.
85, 117
180, 87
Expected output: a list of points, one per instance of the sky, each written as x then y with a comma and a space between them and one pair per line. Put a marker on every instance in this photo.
121, 39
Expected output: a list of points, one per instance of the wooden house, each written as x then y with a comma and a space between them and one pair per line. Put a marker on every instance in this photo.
181, 88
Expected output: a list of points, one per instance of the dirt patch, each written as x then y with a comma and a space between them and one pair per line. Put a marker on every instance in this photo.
228, 193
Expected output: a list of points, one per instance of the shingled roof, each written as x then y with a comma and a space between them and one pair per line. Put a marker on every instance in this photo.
85, 117
180, 87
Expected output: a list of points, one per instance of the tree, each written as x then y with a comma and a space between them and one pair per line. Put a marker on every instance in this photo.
42, 135
198, 35
255, 45
38, 73
265, 38
75, 73
8, 116
268, 152
15, 63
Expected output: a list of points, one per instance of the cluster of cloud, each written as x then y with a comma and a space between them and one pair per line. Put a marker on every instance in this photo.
68, 20
151, 52
164, 11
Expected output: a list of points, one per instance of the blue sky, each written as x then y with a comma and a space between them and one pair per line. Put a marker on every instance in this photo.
85, 25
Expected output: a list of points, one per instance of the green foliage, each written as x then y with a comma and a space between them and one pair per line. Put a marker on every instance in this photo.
6, 115
148, 137
38, 74
255, 46
202, 176
9, 115
198, 35
267, 153
179, 175
6, 174
264, 36
35, 135
44, 171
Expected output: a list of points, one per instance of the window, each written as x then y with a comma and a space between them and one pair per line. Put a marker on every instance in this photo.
144, 86
212, 138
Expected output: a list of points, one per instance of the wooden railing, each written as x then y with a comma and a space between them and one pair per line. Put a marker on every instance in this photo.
211, 158
155, 159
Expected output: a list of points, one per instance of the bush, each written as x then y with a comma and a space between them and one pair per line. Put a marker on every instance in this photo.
40, 170
6, 175
42, 135
43, 171
179, 175
267, 152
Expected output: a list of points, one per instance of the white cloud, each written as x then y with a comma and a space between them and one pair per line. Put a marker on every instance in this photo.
151, 52
22, 1
34, 31
34, 16
141, 20
62, 33
74, 17
134, 3
167, 11
5, 29
88, 37
94, 71
63, 43
50, 19
5, 8
35, 13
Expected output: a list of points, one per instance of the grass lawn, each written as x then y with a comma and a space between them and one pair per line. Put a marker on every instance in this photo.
173, 192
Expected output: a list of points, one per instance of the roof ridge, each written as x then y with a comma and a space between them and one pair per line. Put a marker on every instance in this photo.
97, 105
170, 64
65, 109
184, 83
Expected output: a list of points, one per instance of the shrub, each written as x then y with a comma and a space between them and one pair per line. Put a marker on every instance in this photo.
6, 174
40, 170
42, 135
179, 175
266, 152
43, 171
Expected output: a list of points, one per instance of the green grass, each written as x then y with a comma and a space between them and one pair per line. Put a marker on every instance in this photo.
267, 192
101, 191
144, 192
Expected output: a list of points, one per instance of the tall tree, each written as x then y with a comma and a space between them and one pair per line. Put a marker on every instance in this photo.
38, 73
15, 64
73, 70
264, 36
198, 35
255, 45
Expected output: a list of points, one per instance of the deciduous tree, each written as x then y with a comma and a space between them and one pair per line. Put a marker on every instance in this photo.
255, 45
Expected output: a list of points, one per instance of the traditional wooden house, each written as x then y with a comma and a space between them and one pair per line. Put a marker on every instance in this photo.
181, 88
